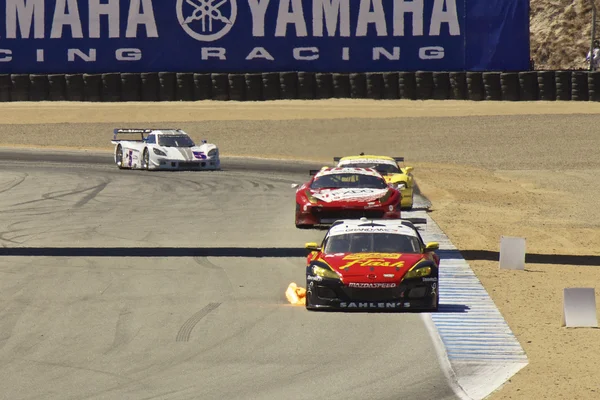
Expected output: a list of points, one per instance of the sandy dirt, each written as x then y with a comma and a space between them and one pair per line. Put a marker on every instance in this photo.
490, 169
560, 33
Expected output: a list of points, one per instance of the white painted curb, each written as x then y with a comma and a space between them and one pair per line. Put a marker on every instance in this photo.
476, 348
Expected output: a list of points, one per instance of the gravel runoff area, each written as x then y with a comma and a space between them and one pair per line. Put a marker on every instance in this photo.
490, 169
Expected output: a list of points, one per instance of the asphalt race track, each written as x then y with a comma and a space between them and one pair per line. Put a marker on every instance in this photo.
170, 285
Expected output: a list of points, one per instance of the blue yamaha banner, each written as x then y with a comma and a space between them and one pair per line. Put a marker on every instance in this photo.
99, 36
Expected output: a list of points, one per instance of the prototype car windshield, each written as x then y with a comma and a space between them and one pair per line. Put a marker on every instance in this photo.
175, 141
338, 181
372, 243
384, 169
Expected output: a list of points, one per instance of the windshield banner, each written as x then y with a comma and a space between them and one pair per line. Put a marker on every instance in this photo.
101, 36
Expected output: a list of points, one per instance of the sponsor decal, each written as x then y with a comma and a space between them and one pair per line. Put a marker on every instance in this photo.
330, 195
363, 256
206, 20
378, 305
388, 275
372, 285
430, 279
253, 35
350, 170
367, 161
373, 260
314, 278
399, 230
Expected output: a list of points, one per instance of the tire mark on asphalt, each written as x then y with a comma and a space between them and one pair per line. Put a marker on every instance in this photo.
163, 395
256, 185
90, 196
186, 329
55, 196
14, 184
205, 262
120, 377
123, 331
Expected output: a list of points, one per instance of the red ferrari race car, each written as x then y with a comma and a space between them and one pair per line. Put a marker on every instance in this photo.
337, 193
372, 265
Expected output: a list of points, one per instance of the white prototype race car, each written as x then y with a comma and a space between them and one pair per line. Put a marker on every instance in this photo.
163, 149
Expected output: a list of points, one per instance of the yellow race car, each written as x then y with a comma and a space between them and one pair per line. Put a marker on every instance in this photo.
400, 177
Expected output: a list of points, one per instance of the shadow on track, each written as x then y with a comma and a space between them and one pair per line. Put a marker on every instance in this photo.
257, 252
557, 259
442, 309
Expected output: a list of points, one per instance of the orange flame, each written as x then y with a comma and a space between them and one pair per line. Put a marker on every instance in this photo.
296, 295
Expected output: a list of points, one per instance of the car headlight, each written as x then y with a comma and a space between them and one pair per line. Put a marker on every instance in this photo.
310, 197
213, 152
159, 152
324, 272
418, 273
385, 197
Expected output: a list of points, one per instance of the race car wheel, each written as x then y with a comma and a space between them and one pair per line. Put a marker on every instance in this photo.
119, 157
146, 162
412, 200
308, 304
300, 226
409, 207
303, 226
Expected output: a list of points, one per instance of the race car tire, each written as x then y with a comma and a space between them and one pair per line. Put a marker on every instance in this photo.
409, 207
436, 307
303, 226
119, 157
300, 226
146, 160
307, 303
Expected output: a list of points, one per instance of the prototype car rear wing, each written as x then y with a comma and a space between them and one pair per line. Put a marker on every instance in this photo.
136, 131
397, 159
127, 131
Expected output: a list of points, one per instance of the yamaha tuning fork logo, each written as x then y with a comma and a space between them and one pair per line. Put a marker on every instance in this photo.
206, 20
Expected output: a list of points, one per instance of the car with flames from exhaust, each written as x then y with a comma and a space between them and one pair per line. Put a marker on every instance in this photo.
163, 149
372, 265
397, 176
335, 193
